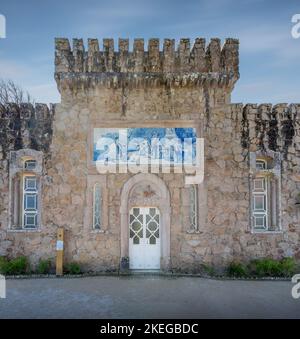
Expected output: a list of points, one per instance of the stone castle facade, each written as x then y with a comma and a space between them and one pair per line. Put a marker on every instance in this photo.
246, 207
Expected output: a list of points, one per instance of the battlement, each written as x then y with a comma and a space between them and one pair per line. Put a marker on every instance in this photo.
26, 111
25, 126
269, 112
223, 61
266, 126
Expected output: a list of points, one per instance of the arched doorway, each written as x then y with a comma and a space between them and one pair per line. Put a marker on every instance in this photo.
144, 238
145, 220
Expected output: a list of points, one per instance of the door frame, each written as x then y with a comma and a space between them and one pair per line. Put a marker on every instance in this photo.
163, 204
145, 232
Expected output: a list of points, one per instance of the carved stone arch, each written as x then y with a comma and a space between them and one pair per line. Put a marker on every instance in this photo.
156, 194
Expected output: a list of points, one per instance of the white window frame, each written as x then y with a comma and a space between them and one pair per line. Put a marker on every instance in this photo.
266, 165
261, 162
28, 163
260, 213
33, 212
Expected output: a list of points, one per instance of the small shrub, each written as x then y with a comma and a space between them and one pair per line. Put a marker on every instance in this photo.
288, 267
44, 266
19, 265
3, 265
72, 268
268, 267
237, 269
208, 269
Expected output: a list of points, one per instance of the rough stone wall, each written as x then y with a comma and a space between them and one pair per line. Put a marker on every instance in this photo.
109, 87
232, 133
74, 117
23, 126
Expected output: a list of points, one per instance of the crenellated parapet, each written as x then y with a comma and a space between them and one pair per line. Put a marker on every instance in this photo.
25, 126
195, 64
269, 127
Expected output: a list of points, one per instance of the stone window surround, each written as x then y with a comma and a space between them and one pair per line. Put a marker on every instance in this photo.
165, 212
202, 209
92, 180
16, 174
194, 209
97, 207
274, 196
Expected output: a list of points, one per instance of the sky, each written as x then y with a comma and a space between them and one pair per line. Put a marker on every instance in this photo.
269, 55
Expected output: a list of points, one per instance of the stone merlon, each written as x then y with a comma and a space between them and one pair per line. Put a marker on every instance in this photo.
198, 62
25, 126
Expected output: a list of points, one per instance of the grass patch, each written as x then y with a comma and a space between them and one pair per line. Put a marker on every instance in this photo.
207, 269
237, 270
268, 267
72, 268
16, 266
265, 267
44, 266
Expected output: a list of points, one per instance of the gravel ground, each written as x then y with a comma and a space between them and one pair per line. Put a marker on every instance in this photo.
148, 297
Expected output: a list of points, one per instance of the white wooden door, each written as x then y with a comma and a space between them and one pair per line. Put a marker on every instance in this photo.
144, 238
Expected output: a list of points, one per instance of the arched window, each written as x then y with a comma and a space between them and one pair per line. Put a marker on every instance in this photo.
29, 164
261, 164
193, 190
97, 207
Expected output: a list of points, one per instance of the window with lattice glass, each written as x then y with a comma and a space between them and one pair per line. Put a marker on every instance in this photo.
260, 204
261, 164
265, 210
152, 226
193, 191
25, 189
97, 207
29, 165
30, 202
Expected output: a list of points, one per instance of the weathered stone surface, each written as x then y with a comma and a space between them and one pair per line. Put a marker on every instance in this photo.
194, 84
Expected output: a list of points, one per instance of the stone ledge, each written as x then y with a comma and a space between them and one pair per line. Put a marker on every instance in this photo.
38, 230
144, 274
116, 80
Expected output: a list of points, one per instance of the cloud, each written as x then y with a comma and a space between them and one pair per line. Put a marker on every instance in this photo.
265, 92
276, 40
27, 77
44, 93
12, 70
